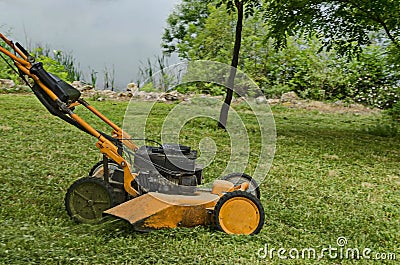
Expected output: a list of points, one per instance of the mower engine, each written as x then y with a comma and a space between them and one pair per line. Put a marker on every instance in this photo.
169, 168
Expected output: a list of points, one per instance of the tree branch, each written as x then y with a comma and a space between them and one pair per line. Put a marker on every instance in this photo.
375, 17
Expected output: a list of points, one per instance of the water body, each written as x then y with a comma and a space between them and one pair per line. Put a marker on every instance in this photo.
99, 33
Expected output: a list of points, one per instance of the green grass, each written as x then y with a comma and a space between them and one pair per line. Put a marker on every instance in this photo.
329, 179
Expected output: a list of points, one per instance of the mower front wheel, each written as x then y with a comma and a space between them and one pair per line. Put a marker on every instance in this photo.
239, 213
87, 199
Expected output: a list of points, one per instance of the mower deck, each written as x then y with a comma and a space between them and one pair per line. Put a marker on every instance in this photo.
157, 210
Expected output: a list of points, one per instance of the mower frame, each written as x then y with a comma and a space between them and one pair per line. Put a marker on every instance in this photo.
228, 206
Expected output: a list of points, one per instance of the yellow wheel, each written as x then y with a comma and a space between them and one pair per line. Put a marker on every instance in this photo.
239, 213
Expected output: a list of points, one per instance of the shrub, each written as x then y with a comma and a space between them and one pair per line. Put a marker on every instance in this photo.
394, 112
59, 64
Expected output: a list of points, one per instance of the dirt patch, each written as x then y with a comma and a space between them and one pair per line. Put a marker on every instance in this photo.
336, 107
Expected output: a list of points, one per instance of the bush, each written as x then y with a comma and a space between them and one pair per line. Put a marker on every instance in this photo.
59, 63
5, 71
383, 129
202, 88
374, 80
62, 65
394, 112
389, 124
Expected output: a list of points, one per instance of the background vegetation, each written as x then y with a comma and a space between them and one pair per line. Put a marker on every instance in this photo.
61, 63
349, 52
304, 65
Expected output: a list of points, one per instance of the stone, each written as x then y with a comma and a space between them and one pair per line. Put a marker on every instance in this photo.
85, 88
7, 83
108, 92
170, 96
138, 94
76, 84
289, 97
162, 99
273, 101
239, 100
131, 87
261, 100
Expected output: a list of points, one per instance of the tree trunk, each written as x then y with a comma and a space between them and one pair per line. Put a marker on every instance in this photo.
223, 117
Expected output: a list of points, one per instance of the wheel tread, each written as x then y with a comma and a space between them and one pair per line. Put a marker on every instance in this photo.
105, 185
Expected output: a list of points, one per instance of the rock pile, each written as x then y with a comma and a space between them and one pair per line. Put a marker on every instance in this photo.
131, 91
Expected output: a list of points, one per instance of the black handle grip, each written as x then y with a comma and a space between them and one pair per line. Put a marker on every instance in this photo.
48, 80
37, 69
22, 49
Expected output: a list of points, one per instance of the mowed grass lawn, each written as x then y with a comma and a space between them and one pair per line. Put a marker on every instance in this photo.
329, 179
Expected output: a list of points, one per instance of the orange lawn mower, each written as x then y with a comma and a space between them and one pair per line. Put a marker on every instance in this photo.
152, 187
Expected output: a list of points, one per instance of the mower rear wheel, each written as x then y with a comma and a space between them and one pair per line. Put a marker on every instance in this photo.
239, 213
87, 199
98, 169
239, 178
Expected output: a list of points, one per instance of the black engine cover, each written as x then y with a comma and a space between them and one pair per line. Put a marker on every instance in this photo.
168, 160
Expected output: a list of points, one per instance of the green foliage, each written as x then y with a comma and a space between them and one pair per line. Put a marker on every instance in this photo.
148, 87
342, 25
93, 77
394, 111
303, 66
205, 46
5, 71
202, 88
154, 74
383, 128
314, 74
57, 62
373, 83
302, 69
249, 6
53, 66
187, 16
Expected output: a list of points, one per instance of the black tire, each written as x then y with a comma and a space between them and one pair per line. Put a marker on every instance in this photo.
111, 164
118, 185
254, 223
239, 178
87, 198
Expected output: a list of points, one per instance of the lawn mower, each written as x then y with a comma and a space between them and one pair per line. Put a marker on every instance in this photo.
151, 187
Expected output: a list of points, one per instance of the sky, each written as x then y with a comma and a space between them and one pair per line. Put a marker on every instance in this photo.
98, 33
